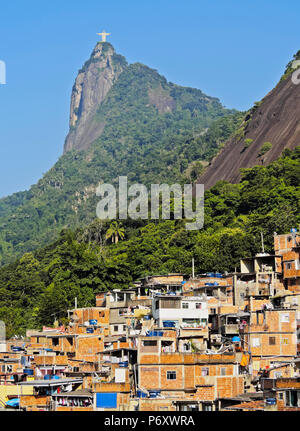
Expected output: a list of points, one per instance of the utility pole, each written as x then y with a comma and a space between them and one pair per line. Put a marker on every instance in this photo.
262, 242
193, 268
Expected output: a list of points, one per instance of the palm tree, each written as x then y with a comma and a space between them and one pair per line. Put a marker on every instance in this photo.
115, 231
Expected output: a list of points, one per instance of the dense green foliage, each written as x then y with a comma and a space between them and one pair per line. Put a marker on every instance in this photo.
154, 132
80, 263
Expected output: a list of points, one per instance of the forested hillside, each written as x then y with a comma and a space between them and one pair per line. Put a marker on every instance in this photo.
150, 130
88, 260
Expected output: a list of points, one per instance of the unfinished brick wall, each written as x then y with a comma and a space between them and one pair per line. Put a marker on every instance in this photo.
100, 299
205, 393
111, 387
276, 336
214, 374
51, 360
87, 348
168, 279
31, 401
149, 377
286, 246
73, 409
153, 405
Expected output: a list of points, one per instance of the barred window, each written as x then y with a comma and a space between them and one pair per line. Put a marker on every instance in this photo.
171, 375
272, 341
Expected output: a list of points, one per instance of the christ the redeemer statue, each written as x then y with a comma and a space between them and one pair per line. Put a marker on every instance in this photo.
103, 35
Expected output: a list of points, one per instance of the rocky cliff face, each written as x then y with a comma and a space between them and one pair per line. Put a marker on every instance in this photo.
274, 120
92, 84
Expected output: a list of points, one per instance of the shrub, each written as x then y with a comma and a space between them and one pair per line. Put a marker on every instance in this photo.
265, 148
247, 143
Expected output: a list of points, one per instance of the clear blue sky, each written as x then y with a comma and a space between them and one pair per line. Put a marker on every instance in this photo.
234, 50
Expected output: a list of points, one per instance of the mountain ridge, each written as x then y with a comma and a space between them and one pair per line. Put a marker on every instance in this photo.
138, 125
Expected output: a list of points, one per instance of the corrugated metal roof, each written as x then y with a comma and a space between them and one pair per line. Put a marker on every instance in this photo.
54, 382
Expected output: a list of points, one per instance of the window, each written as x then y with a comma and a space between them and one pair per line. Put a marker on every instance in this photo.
198, 305
285, 341
213, 311
272, 341
223, 371
186, 347
287, 398
124, 327
191, 323
7, 369
76, 369
171, 375
55, 341
185, 305
169, 303
280, 395
203, 322
291, 398
189, 408
206, 407
285, 318
205, 371
149, 343
116, 328
288, 265
255, 342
